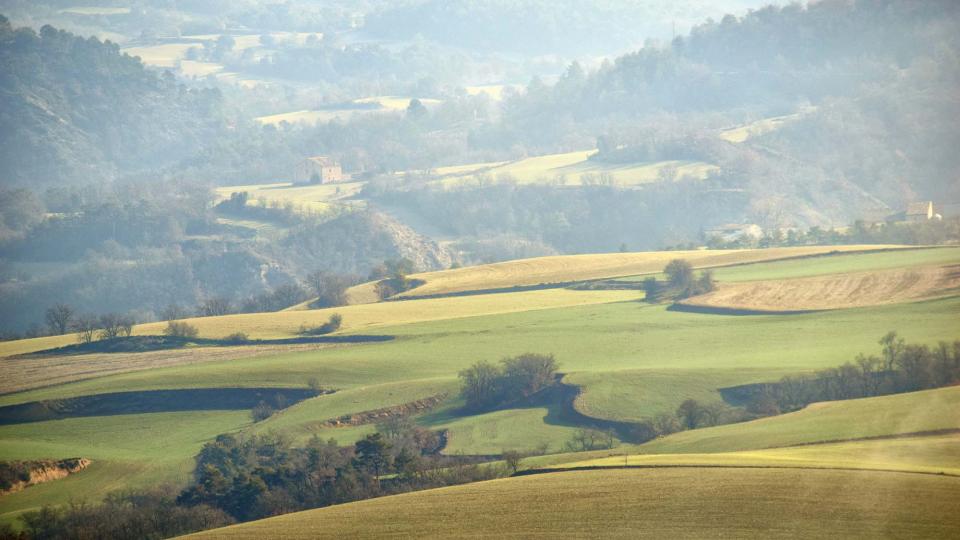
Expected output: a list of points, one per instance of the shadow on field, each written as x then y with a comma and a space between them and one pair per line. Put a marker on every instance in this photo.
134, 344
153, 401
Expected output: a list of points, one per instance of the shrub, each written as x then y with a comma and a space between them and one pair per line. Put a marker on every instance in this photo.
261, 412
328, 327
237, 337
180, 329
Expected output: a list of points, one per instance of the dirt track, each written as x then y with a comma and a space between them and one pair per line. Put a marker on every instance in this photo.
835, 291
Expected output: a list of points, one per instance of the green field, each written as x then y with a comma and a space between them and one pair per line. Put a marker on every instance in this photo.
930, 454
128, 451
929, 410
659, 503
603, 337
635, 395
632, 359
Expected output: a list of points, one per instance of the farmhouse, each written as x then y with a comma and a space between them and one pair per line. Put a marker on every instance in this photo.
318, 170
732, 232
916, 212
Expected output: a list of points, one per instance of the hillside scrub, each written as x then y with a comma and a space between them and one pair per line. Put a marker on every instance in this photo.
485, 386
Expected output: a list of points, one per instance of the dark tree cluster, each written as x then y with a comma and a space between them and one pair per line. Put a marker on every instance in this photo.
485, 386
680, 283
132, 515
256, 477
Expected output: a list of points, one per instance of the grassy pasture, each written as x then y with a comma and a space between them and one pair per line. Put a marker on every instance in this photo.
634, 395
567, 268
586, 338
857, 418
128, 451
659, 503
932, 454
839, 264
359, 318
571, 165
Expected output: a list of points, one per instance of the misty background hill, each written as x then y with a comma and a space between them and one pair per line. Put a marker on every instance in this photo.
120, 122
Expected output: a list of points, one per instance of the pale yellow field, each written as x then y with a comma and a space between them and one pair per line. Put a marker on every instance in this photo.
166, 55
96, 10
312, 117
249, 41
309, 117
570, 167
836, 291
495, 91
567, 268
191, 68
396, 103
740, 134
286, 324
932, 454
314, 196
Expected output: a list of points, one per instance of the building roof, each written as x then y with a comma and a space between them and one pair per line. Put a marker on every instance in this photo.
323, 161
919, 208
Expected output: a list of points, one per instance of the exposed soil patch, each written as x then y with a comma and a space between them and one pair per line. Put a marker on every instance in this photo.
27, 473
831, 292
152, 401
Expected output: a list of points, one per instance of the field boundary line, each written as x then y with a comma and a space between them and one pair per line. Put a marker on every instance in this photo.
549, 470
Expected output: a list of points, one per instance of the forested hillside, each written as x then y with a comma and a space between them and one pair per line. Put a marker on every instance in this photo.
76, 109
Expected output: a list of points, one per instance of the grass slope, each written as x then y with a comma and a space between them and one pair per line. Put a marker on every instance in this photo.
633, 395
358, 318
605, 337
128, 451
913, 412
930, 454
658, 503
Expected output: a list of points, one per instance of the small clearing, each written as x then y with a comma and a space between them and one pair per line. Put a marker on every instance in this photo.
835, 291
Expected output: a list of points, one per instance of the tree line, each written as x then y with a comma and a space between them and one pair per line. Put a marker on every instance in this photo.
901, 367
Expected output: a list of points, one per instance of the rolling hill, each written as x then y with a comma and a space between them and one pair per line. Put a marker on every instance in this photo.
675, 503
